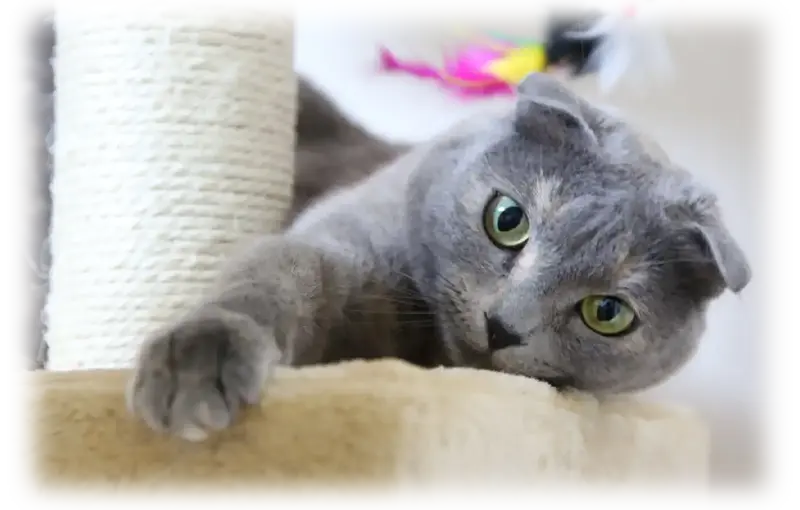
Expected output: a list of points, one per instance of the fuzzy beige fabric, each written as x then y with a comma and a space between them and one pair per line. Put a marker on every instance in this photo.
377, 422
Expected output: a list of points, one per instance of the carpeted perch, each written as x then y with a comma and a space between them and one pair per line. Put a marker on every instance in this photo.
359, 436
174, 140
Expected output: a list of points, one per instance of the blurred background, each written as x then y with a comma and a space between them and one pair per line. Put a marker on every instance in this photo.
730, 114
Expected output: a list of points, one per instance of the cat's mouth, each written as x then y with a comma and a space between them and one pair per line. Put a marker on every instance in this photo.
559, 382
500, 336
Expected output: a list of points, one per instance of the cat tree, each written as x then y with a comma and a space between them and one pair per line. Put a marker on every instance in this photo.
174, 140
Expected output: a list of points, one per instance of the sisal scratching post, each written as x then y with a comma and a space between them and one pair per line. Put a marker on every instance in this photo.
174, 140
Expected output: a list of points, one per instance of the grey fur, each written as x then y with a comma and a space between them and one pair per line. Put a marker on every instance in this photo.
332, 152
399, 264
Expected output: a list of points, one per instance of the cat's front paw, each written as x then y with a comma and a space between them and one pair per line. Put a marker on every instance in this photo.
193, 378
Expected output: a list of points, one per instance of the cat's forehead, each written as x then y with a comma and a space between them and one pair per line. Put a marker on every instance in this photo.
565, 178
540, 175
586, 210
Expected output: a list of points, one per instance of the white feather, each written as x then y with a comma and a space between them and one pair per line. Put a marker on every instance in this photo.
632, 50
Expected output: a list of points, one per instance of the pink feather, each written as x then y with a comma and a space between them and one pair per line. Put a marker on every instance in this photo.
469, 64
463, 74
389, 62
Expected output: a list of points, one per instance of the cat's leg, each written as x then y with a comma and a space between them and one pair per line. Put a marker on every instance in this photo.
271, 307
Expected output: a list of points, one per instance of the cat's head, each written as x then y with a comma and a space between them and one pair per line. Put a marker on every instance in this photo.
555, 244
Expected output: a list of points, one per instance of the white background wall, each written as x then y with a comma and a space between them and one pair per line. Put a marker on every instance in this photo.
708, 119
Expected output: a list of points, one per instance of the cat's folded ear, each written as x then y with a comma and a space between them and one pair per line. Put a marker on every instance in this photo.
694, 210
729, 259
546, 110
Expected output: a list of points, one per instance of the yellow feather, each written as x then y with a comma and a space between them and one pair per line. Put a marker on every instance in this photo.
518, 63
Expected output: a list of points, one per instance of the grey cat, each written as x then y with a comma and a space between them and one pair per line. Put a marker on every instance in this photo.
545, 240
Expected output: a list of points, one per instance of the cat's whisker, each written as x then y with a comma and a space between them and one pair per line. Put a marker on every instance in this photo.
393, 323
398, 313
405, 300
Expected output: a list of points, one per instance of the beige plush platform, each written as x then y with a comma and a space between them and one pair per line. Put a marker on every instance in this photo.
380, 422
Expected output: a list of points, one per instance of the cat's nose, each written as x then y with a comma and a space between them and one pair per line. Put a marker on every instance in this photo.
500, 336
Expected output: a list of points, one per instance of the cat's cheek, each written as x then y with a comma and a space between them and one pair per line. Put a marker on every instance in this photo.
460, 348
474, 331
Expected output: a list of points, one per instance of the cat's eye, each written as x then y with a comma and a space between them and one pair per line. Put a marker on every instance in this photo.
506, 223
607, 315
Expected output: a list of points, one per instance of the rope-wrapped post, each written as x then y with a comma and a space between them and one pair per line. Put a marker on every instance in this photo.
174, 140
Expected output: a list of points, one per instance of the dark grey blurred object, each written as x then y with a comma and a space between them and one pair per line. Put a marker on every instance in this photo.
25, 45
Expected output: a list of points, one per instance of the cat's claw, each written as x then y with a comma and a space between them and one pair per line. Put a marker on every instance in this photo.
193, 378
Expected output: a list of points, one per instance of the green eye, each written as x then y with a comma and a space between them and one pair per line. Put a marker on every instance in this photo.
506, 223
607, 315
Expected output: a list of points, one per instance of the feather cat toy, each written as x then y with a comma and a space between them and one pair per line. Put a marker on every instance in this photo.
608, 46
620, 45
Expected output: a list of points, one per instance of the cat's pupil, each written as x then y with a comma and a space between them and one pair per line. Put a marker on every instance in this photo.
509, 219
607, 309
